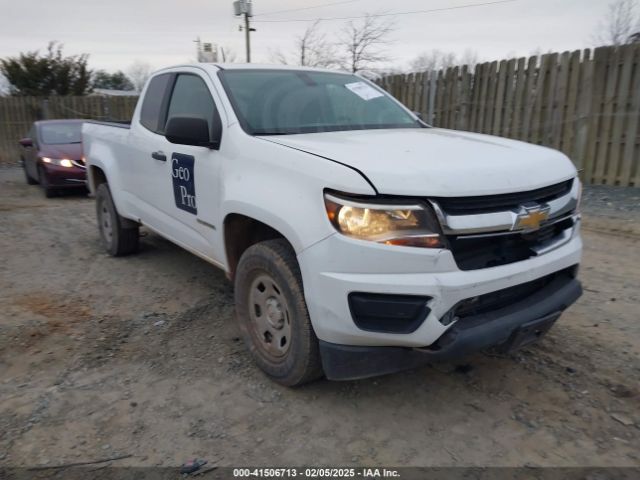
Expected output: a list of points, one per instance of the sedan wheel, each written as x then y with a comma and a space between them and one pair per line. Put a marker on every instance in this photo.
27, 177
49, 192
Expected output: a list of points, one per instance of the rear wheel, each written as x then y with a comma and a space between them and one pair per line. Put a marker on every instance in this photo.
49, 191
118, 236
273, 316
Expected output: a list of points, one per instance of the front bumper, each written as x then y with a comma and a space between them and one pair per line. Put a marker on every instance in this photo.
507, 328
65, 177
338, 265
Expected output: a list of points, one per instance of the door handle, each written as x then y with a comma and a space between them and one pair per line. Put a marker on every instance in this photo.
159, 155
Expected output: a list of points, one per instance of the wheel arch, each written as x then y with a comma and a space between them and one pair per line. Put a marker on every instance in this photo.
241, 231
95, 177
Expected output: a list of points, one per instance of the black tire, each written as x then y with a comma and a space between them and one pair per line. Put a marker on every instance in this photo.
275, 261
27, 177
119, 235
49, 191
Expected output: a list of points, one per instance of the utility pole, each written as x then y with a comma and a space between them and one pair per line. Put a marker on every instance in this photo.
198, 49
247, 37
245, 8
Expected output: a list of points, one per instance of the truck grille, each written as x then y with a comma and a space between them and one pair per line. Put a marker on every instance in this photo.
476, 252
507, 201
493, 301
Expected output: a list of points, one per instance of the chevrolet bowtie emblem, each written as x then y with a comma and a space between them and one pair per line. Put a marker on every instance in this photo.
530, 217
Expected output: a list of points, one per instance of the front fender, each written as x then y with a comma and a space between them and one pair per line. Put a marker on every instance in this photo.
283, 188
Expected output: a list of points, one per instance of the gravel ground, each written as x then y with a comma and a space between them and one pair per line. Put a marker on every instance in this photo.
141, 356
617, 202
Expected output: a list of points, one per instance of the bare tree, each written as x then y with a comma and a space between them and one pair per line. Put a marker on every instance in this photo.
621, 21
138, 73
228, 55
437, 60
470, 58
277, 56
364, 42
433, 60
313, 49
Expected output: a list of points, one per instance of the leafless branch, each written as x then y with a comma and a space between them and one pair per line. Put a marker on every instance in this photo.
436, 60
314, 50
228, 55
277, 56
364, 42
620, 23
138, 73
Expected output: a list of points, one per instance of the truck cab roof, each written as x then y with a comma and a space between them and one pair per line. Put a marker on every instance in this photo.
249, 66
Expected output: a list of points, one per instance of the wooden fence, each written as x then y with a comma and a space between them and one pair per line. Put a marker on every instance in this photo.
18, 113
585, 103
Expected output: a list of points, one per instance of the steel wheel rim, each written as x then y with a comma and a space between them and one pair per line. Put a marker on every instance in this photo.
270, 316
105, 222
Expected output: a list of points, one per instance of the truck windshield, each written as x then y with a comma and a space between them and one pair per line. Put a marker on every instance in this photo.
281, 102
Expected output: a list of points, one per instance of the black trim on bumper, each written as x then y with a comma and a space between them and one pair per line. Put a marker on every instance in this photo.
388, 313
507, 328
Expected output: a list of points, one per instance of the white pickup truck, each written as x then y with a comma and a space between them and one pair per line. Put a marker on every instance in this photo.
360, 240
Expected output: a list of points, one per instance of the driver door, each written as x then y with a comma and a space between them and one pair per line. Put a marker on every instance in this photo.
184, 179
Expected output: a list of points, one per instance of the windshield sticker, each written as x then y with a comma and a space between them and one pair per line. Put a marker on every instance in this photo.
184, 189
363, 90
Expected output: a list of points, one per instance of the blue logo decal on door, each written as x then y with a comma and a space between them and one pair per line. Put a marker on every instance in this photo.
184, 188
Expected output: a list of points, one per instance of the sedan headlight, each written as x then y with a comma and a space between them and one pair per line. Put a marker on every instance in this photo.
410, 224
62, 162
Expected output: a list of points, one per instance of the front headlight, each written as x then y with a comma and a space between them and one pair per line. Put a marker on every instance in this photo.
406, 224
63, 162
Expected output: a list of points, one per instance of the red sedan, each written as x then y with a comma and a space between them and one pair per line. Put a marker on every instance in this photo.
52, 156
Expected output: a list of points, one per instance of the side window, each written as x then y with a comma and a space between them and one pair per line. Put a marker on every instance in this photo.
151, 113
191, 97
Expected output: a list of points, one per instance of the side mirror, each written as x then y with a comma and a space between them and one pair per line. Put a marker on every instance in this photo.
26, 142
419, 115
190, 131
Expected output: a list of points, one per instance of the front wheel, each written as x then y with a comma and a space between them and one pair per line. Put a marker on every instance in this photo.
43, 179
117, 239
27, 177
273, 316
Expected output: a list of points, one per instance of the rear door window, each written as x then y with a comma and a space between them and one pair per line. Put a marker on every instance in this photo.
153, 107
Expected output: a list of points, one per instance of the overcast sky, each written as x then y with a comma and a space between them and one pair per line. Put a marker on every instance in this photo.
161, 32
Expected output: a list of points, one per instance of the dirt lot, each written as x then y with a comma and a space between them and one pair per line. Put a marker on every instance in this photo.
140, 355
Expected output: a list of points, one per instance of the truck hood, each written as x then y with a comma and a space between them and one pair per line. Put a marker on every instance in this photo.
437, 162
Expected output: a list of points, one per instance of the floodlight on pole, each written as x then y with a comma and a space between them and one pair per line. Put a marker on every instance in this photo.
245, 8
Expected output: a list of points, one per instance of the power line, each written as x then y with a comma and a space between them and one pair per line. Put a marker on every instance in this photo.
390, 14
305, 8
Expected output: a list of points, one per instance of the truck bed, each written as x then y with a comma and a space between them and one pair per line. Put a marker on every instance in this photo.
112, 123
